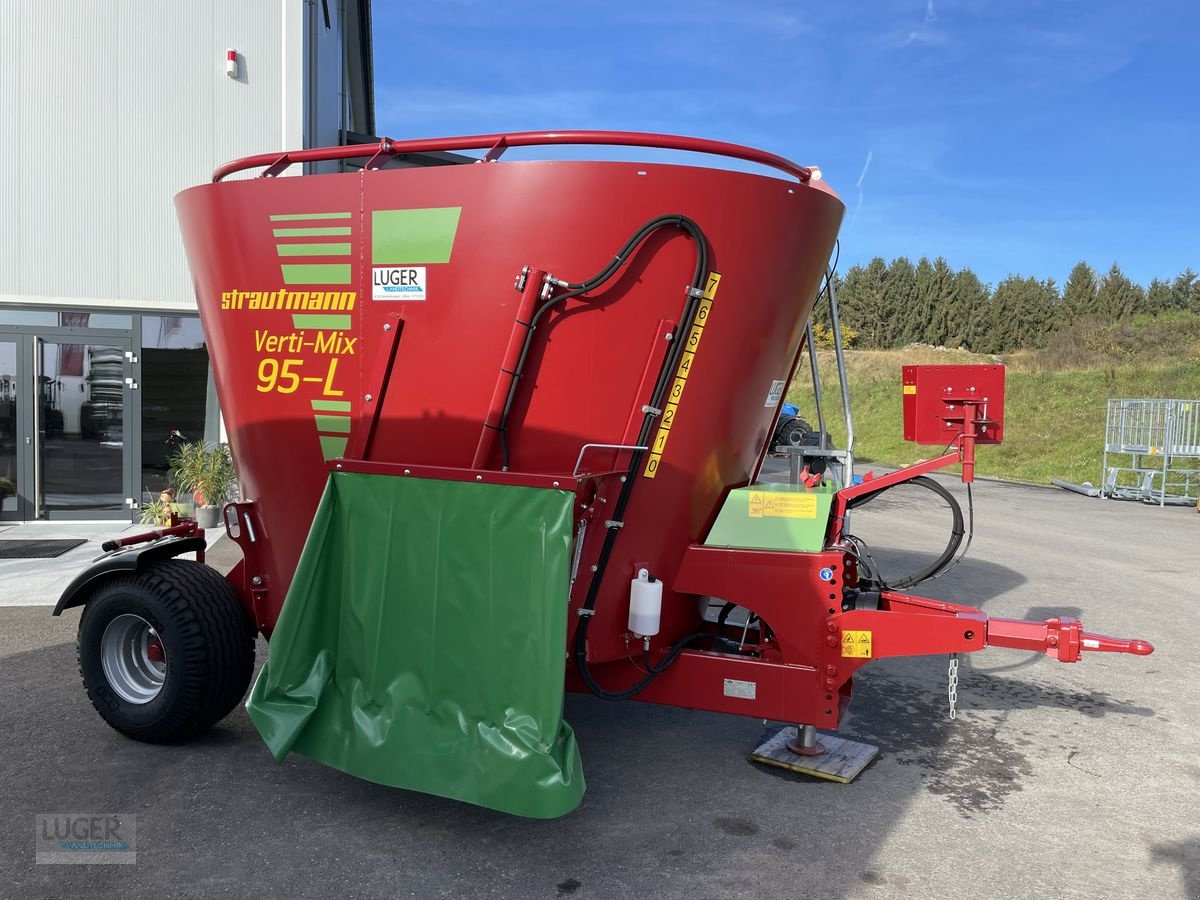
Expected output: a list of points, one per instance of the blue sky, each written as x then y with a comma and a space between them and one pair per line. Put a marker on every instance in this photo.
1006, 136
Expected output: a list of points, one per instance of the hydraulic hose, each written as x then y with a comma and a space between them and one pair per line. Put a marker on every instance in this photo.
956, 532
574, 289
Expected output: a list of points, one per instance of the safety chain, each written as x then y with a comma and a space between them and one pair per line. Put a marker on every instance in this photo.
953, 692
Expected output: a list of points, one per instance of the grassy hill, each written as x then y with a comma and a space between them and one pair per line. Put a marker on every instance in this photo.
1055, 398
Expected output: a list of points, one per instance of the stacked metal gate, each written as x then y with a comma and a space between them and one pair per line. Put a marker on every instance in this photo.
1152, 451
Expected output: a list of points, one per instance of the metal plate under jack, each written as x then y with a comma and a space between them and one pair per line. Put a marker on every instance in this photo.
842, 760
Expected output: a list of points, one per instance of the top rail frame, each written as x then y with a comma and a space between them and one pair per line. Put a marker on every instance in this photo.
495, 144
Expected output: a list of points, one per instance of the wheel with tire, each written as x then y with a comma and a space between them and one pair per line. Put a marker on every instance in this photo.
795, 433
167, 652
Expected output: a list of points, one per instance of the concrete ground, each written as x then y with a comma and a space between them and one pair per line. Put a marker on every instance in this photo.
37, 582
1064, 781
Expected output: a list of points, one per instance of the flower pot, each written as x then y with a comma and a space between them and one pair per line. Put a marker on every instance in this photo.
208, 516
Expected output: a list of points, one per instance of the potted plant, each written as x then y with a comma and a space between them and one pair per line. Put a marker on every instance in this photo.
209, 474
156, 512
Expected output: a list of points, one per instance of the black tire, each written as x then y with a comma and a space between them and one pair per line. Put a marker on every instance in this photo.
205, 634
794, 433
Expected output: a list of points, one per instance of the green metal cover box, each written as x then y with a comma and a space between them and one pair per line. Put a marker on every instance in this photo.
773, 517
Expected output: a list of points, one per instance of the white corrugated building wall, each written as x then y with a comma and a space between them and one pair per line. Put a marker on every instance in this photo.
109, 110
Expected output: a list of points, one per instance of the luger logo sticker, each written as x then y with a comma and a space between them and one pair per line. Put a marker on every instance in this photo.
403, 243
398, 283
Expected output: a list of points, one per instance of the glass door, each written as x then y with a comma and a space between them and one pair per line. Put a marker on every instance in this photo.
64, 417
79, 407
10, 501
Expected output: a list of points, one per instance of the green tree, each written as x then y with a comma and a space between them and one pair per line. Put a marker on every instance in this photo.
1185, 291
1118, 297
1158, 297
864, 304
1079, 295
902, 296
820, 314
850, 288
1005, 308
914, 321
878, 306
1045, 312
1022, 309
849, 297
943, 299
971, 313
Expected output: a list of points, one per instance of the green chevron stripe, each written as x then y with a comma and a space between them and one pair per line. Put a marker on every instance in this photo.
333, 424
333, 323
316, 273
330, 231
333, 447
303, 217
313, 249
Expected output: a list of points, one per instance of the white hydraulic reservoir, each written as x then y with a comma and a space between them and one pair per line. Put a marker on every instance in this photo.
645, 604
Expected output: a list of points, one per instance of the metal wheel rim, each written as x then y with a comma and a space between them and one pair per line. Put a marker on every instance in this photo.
795, 437
125, 656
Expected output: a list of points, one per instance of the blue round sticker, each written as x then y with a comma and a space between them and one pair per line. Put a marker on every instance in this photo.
827, 574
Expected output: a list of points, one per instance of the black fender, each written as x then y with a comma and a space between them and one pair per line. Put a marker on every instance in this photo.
121, 562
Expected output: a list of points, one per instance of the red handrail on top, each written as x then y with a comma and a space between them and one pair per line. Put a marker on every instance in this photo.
496, 144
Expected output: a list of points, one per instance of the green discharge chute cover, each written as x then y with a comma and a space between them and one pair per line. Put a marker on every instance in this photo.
421, 643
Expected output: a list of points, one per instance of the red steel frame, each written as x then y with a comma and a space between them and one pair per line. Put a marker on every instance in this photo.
496, 144
800, 673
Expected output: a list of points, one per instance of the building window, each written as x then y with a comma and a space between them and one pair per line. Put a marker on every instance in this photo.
175, 393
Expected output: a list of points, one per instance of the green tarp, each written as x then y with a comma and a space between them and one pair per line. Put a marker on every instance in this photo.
422, 642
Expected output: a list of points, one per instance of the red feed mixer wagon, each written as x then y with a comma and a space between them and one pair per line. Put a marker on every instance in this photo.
499, 428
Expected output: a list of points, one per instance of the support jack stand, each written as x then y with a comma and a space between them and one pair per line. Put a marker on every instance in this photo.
841, 761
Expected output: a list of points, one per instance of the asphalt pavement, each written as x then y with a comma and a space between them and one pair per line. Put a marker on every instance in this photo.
1064, 781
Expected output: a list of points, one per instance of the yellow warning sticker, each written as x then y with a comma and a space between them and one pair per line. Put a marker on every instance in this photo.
856, 644
767, 504
691, 343
910, 389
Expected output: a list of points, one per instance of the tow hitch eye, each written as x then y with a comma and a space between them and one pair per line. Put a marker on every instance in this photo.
1062, 638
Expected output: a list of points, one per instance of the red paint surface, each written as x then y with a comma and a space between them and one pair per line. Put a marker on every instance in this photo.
769, 239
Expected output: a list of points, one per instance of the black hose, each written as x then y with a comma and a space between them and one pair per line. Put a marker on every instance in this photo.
587, 609
575, 289
956, 532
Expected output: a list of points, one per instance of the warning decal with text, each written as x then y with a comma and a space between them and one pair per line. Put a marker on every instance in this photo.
768, 504
856, 644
